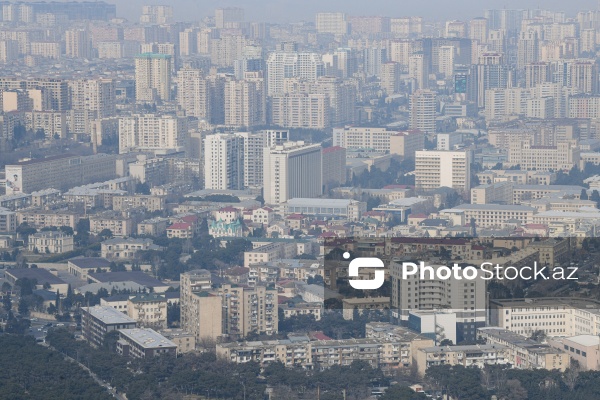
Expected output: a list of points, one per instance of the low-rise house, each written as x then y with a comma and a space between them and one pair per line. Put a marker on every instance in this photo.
125, 248
51, 242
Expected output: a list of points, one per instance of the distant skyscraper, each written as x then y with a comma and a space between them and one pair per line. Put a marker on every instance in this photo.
389, 78
229, 17
152, 77
78, 44
96, 95
193, 93
478, 30
245, 101
422, 111
373, 58
223, 161
282, 65
418, 70
292, 170
527, 48
156, 15
334, 23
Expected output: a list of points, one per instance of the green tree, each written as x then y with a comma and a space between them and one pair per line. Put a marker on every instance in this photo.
397, 392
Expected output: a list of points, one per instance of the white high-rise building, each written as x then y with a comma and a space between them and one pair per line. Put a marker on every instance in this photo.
334, 23
152, 132
282, 65
254, 145
446, 60
436, 168
223, 161
152, 77
292, 170
418, 70
422, 111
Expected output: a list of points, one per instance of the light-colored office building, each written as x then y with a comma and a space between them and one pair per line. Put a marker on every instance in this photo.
434, 169
292, 170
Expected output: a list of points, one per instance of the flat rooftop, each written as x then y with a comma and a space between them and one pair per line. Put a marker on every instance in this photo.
39, 274
108, 315
147, 338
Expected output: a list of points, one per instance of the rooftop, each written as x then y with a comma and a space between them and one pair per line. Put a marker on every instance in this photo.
147, 338
108, 315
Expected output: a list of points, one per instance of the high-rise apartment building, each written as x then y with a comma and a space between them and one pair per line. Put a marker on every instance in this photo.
282, 65
334, 23
156, 14
229, 311
389, 77
78, 44
229, 17
310, 111
478, 30
435, 169
245, 101
97, 95
373, 58
446, 60
152, 132
193, 93
254, 146
422, 111
152, 77
292, 170
466, 298
527, 48
223, 161
418, 70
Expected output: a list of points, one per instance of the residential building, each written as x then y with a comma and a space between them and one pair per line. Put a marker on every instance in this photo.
125, 249
50, 242
152, 132
153, 77
478, 355
148, 309
97, 321
223, 161
144, 343
423, 111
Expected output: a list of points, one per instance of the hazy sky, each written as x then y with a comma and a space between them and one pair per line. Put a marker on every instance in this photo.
296, 10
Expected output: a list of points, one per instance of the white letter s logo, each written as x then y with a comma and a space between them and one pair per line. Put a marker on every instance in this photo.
366, 262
